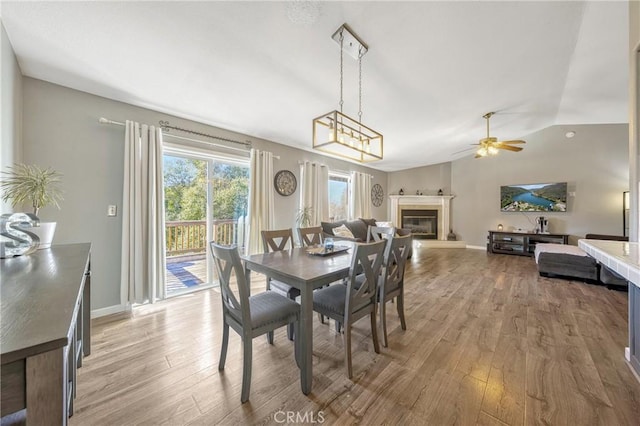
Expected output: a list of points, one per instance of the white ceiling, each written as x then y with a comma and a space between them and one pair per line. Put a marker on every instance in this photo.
432, 70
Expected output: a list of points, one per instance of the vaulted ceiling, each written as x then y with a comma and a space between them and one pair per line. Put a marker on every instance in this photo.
268, 68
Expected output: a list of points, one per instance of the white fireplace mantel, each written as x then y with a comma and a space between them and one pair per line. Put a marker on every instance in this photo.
442, 203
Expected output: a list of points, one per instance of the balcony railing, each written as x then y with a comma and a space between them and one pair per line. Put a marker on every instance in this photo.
190, 236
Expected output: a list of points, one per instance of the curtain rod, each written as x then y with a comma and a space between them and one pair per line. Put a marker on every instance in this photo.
103, 120
300, 163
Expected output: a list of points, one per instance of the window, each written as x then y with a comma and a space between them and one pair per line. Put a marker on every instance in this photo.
338, 196
206, 197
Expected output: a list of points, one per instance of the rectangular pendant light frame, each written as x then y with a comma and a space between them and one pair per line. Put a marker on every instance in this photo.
340, 135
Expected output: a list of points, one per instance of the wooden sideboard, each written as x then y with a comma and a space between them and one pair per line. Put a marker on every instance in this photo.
45, 330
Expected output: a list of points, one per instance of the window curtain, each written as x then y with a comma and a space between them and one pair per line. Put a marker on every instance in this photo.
360, 204
315, 191
261, 201
143, 239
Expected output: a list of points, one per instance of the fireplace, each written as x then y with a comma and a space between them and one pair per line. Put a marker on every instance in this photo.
423, 223
428, 214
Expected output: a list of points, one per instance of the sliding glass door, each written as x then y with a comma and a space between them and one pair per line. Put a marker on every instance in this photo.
205, 200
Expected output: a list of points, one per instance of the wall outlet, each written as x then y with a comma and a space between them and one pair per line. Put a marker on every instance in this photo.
112, 210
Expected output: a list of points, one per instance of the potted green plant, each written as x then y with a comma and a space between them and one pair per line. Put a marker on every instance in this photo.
304, 217
23, 183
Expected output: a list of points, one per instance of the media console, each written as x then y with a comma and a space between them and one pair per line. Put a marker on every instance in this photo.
520, 243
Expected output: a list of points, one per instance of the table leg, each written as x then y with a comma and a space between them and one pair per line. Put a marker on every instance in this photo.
306, 339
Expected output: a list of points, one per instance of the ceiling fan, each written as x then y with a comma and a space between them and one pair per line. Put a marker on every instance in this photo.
490, 145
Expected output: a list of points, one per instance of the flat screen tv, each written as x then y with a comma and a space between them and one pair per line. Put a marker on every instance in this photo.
536, 197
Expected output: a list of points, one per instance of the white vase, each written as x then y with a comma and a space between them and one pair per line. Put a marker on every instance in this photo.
45, 232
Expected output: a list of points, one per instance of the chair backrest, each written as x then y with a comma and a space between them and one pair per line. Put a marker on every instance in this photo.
310, 236
405, 231
277, 240
395, 259
366, 260
227, 261
375, 233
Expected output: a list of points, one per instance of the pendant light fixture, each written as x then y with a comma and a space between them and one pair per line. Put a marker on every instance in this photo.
338, 134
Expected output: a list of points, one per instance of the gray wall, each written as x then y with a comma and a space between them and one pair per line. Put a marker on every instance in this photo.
595, 163
427, 179
11, 103
61, 131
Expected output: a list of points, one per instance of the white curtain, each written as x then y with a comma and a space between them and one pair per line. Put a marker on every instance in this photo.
261, 201
143, 240
315, 191
360, 202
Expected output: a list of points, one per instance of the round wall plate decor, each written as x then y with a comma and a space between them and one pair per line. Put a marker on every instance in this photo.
285, 182
377, 195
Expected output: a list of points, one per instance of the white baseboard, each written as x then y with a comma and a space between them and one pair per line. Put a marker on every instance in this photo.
109, 310
477, 247
627, 354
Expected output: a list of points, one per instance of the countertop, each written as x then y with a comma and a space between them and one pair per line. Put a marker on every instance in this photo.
619, 256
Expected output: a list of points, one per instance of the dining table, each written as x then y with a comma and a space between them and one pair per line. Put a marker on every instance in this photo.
306, 272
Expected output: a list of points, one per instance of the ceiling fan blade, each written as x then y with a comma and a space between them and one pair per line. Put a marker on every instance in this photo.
509, 148
513, 142
478, 156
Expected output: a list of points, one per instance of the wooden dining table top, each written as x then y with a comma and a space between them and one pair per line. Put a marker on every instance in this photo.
297, 266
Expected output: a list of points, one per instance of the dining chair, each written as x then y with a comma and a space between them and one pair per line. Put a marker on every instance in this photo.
406, 231
378, 233
310, 236
277, 240
347, 304
391, 282
249, 316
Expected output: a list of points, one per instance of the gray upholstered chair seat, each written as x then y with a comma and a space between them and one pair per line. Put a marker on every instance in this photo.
332, 299
268, 308
284, 289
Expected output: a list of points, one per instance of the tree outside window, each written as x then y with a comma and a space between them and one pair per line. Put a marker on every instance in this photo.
338, 197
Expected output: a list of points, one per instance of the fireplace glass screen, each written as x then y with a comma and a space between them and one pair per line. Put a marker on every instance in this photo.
422, 223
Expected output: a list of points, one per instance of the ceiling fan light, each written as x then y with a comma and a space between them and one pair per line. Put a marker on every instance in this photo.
490, 145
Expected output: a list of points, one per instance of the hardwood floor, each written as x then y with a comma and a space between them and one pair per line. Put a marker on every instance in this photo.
488, 342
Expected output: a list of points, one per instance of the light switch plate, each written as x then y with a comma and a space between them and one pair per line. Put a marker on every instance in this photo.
112, 210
